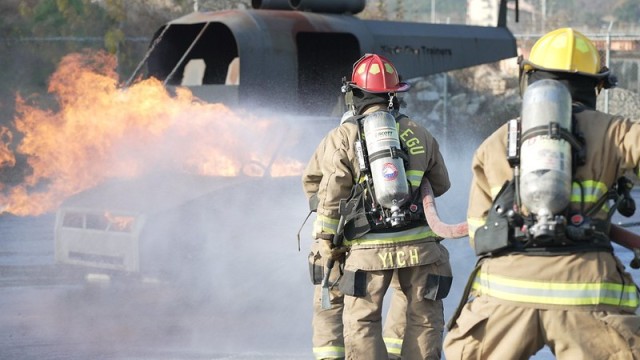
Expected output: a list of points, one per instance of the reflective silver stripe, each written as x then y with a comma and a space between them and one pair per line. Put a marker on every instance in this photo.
325, 225
540, 292
417, 233
328, 352
394, 345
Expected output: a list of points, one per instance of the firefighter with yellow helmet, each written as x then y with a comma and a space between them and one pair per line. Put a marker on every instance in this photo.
543, 191
372, 167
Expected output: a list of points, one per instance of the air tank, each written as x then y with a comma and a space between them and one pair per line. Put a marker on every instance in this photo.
387, 167
545, 157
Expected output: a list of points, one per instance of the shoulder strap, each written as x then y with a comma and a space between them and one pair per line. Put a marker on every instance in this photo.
399, 116
579, 152
355, 119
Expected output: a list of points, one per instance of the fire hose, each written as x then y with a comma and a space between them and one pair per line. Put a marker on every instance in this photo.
627, 239
442, 229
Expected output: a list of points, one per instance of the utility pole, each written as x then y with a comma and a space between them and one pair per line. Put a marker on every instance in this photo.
445, 109
433, 11
544, 16
607, 63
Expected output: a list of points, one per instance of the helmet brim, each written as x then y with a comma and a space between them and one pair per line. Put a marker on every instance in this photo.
529, 66
402, 87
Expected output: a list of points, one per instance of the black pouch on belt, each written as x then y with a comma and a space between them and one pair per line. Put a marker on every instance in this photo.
437, 287
353, 283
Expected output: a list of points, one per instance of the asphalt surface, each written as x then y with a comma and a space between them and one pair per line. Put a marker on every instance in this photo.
55, 312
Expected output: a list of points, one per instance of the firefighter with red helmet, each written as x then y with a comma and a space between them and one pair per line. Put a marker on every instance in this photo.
372, 168
543, 191
328, 334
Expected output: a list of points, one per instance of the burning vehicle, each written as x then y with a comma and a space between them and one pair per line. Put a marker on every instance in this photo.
254, 91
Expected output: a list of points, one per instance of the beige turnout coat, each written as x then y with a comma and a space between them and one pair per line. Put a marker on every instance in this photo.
336, 166
589, 280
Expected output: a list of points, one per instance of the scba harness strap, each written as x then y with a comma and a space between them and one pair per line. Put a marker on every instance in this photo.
554, 131
360, 211
507, 230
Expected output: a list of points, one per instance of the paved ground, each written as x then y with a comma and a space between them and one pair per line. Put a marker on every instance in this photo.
53, 312
49, 312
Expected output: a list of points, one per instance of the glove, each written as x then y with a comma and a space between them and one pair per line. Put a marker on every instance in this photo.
329, 251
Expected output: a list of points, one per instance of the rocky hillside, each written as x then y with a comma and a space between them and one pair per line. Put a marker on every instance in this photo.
480, 100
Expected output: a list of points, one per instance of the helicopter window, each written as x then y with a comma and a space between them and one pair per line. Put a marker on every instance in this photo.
323, 59
233, 72
207, 54
193, 72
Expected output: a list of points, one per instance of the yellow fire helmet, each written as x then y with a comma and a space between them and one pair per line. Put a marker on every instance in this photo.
565, 50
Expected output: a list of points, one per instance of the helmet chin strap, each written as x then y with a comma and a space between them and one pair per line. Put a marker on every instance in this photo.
608, 82
348, 95
521, 76
392, 95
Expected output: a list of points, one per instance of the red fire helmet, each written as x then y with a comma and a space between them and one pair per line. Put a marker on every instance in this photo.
376, 74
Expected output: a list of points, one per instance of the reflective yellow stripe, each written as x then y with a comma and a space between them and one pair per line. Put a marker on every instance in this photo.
325, 224
415, 177
593, 190
394, 345
329, 352
539, 292
418, 233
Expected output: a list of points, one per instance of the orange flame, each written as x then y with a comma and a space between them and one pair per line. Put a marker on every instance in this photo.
100, 131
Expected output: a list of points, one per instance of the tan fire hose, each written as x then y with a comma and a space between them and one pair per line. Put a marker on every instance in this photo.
447, 231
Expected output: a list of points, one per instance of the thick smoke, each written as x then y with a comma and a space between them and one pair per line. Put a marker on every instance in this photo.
221, 272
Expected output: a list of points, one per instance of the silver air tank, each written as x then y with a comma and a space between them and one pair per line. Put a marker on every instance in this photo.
545, 157
387, 167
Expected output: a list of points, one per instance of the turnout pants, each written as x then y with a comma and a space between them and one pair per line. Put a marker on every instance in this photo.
328, 339
424, 318
396, 321
489, 329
